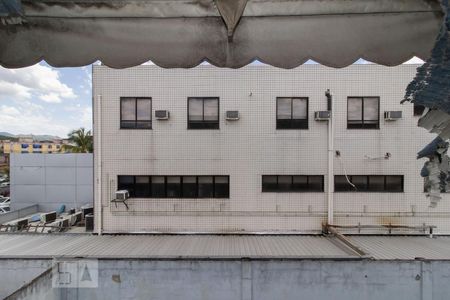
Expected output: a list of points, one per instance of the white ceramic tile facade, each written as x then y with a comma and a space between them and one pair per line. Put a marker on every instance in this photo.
251, 147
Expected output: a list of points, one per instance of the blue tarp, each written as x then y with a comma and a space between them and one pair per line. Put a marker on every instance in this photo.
10, 8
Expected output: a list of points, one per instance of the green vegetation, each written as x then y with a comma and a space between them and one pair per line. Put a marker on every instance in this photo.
4, 137
5, 171
81, 141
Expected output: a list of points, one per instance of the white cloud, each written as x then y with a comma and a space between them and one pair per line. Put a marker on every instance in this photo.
82, 115
414, 60
51, 98
14, 90
28, 118
86, 117
41, 81
88, 79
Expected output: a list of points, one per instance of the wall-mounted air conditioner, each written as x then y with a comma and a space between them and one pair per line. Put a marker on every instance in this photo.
392, 115
232, 115
324, 115
122, 195
162, 114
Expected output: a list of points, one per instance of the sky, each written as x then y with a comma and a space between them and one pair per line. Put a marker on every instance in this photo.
45, 100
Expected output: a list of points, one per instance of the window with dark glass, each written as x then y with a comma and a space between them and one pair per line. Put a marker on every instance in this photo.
135, 113
203, 113
142, 186
369, 183
205, 187
292, 183
126, 183
189, 187
175, 186
418, 109
363, 112
292, 113
221, 187
158, 186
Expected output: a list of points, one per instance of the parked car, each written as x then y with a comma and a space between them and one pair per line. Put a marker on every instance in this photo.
4, 209
4, 184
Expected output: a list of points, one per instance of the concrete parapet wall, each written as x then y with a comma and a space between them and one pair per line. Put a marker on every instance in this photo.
244, 279
19, 213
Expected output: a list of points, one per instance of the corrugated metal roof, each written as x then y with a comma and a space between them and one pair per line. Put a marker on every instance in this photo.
171, 246
221, 246
404, 247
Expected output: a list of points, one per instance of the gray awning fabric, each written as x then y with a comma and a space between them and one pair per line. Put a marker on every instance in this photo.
226, 33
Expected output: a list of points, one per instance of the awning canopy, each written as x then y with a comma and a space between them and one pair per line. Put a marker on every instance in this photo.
226, 33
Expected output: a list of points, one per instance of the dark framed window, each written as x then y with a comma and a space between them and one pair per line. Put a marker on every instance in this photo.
141, 186
189, 187
175, 186
369, 183
203, 113
158, 187
292, 183
221, 187
135, 113
292, 113
126, 183
418, 109
363, 112
205, 187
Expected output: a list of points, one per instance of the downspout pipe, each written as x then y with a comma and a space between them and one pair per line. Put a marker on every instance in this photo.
99, 166
330, 188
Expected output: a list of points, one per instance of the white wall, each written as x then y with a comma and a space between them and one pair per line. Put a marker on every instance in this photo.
252, 146
50, 180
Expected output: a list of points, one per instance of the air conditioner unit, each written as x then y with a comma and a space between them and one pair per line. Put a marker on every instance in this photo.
87, 210
232, 115
392, 115
122, 195
324, 115
18, 224
48, 217
162, 114
78, 216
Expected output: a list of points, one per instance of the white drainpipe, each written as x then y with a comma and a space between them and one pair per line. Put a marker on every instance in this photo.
330, 189
99, 166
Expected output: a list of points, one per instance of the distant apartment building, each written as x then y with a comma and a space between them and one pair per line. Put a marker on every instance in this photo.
30, 146
221, 150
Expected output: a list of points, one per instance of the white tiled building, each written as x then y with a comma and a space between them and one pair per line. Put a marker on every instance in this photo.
241, 152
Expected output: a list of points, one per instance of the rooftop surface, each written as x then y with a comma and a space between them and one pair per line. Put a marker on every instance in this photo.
47, 246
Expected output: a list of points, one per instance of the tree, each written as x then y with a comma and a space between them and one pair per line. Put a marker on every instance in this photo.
81, 141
